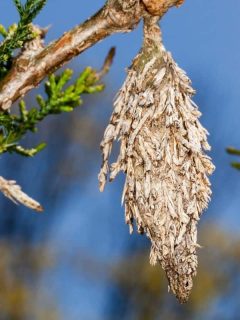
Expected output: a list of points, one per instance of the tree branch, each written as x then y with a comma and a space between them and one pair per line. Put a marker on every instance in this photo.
160, 7
36, 62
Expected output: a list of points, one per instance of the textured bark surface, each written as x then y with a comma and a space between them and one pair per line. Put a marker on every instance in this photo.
160, 7
162, 154
31, 67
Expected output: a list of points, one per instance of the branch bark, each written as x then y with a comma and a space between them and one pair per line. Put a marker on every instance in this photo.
160, 7
34, 64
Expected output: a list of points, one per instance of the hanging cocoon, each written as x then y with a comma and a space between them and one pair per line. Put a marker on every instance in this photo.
162, 147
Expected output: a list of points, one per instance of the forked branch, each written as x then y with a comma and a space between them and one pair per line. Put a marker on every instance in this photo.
35, 63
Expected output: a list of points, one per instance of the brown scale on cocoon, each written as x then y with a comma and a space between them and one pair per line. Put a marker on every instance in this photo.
162, 147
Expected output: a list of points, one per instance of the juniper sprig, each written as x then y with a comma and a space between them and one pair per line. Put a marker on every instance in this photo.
18, 34
235, 152
59, 99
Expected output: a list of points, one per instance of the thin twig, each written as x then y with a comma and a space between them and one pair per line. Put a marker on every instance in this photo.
107, 63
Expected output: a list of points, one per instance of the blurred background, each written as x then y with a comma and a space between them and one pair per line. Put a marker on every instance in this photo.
77, 261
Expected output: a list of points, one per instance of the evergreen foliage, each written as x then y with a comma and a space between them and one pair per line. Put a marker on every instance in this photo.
17, 34
235, 152
59, 99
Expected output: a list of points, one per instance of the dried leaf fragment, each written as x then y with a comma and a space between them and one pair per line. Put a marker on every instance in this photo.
13, 191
